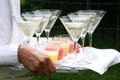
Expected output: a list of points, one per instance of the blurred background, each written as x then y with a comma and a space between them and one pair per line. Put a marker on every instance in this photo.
106, 35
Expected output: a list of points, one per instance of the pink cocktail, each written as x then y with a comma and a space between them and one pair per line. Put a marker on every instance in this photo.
68, 41
71, 48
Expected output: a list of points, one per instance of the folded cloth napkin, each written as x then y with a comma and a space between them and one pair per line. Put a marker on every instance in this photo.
98, 60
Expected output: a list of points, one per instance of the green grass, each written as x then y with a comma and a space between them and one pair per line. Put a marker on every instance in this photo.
111, 74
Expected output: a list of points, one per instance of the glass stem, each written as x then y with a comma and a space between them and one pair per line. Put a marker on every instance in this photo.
75, 49
83, 42
28, 40
90, 39
37, 40
47, 35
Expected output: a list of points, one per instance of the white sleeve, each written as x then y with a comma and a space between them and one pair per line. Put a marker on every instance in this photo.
8, 55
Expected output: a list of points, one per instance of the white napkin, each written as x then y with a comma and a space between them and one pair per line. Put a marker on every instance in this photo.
98, 60
105, 59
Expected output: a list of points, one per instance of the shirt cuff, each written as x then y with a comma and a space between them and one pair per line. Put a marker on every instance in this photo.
9, 54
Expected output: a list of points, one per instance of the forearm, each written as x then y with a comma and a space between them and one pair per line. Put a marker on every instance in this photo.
9, 55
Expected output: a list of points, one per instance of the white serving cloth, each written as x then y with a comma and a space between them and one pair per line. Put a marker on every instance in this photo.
98, 60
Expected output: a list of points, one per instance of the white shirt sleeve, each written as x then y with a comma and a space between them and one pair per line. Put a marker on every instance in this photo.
8, 54
10, 35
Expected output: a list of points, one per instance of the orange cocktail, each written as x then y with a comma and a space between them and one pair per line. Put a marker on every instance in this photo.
53, 46
52, 52
67, 45
53, 55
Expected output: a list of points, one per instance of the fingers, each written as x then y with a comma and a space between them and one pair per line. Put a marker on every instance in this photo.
78, 45
44, 70
46, 67
78, 48
51, 67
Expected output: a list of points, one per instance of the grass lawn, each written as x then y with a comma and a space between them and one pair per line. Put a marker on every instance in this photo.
111, 74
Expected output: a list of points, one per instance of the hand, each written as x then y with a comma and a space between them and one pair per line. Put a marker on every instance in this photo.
35, 61
78, 48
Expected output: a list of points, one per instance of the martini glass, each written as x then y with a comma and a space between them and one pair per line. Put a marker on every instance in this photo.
84, 18
95, 20
55, 15
47, 16
75, 30
94, 23
28, 27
